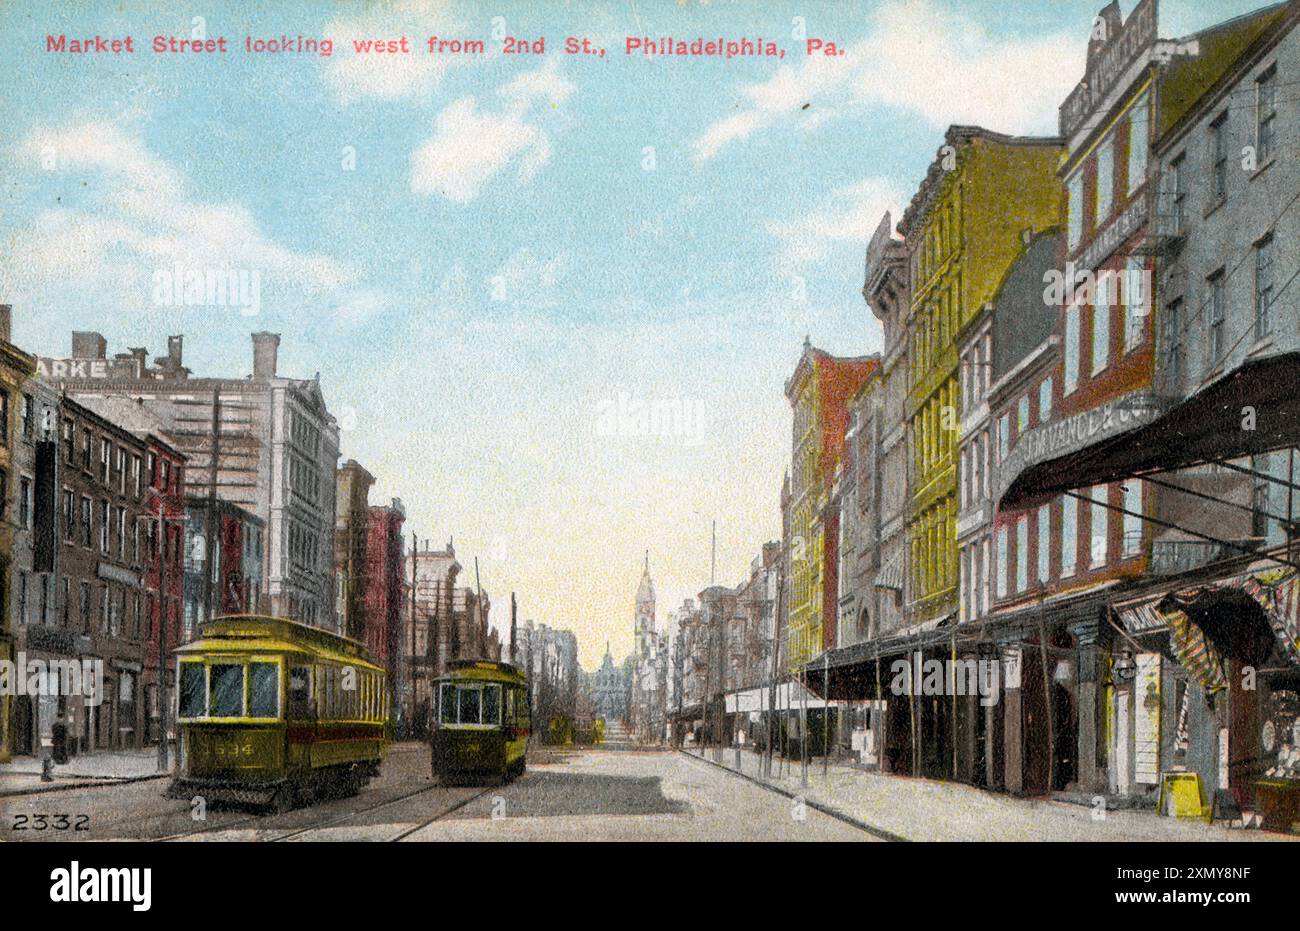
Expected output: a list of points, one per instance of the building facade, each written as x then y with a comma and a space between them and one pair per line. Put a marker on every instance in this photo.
819, 393
270, 441
351, 536
963, 228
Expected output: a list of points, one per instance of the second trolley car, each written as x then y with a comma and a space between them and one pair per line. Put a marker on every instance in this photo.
481, 723
274, 712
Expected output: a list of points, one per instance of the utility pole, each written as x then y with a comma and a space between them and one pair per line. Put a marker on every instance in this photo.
163, 706
415, 557
514, 626
478, 602
211, 517
776, 654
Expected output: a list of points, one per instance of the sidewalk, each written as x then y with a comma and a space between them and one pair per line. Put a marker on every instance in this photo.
904, 808
23, 774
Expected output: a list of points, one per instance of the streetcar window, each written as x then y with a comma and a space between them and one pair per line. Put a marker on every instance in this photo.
300, 692
193, 691
448, 704
263, 690
491, 704
226, 690
469, 705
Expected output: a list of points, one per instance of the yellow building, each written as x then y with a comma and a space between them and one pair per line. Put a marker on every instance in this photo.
963, 229
819, 394
16, 367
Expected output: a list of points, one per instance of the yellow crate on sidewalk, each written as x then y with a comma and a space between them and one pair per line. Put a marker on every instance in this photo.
1180, 797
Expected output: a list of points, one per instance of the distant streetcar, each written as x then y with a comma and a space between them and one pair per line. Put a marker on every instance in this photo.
481, 724
273, 712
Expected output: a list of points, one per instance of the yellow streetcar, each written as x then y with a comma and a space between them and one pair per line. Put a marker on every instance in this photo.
274, 712
482, 723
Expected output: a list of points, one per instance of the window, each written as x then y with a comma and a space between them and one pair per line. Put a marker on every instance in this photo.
1075, 208
1045, 401
1139, 142
1071, 349
469, 702
1004, 563
1022, 553
1132, 517
193, 691
69, 440
1136, 294
263, 690
4, 418
1219, 157
28, 416
1004, 436
23, 580
1101, 323
24, 503
300, 693
447, 705
104, 526
1178, 193
1174, 341
121, 533
1105, 180
491, 704
1264, 288
1265, 114
69, 515
1022, 416
1218, 312
85, 606
1069, 534
87, 455
1100, 525
226, 690
1044, 543
105, 451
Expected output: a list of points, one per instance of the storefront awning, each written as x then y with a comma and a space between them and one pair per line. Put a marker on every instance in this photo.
1142, 616
891, 573
1144, 434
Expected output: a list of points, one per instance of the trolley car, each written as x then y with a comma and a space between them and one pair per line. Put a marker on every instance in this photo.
482, 723
273, 712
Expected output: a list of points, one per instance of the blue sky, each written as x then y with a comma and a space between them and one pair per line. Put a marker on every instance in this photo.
522, 242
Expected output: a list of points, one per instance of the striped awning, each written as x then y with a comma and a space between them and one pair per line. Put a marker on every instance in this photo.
1278, 593
1142, 617
1195, 652
891, 573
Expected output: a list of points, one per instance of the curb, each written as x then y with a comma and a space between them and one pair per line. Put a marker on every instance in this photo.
816, 806
67, 786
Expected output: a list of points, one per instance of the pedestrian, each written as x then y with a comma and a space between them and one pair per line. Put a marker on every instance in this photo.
59, 735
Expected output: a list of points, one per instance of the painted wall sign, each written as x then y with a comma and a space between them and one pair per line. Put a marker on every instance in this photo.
1109, 62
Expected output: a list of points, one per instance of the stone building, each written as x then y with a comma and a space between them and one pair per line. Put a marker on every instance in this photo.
276, 451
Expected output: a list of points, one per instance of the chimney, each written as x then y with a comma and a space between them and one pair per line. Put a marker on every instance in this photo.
6, 322
175, 350
89, 345
266, 351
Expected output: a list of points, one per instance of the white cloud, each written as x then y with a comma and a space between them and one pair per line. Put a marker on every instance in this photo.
139, 218
848, 214
470, 145
941, 65
353, 76
948, 69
